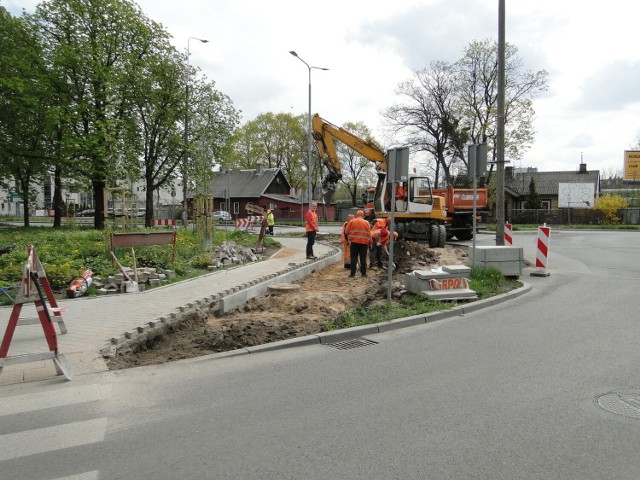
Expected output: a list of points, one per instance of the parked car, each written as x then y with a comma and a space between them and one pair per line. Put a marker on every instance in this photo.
221, 216
87, 213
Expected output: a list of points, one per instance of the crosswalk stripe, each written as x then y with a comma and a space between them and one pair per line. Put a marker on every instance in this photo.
53, 398
82, 476
41, 440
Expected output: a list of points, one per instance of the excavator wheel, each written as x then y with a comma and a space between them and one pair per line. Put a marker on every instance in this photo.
442, 236
434, 234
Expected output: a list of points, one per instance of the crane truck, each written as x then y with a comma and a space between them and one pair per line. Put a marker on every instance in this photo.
422, 216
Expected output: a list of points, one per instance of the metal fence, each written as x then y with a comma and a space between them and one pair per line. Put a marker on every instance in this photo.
572, 216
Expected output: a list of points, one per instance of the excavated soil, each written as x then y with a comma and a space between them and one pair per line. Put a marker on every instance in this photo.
295, 310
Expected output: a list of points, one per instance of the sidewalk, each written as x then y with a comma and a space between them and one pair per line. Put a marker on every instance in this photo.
95, 323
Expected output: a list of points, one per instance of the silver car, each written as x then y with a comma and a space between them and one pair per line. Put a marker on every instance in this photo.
221, 216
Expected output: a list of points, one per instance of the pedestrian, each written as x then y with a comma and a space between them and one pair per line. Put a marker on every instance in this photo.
358, 234
346, 256
311, 227
270, 221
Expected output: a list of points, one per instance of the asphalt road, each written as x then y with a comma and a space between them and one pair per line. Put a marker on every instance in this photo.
515, 391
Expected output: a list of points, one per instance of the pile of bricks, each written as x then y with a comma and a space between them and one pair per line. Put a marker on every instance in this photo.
146, 276
230, 253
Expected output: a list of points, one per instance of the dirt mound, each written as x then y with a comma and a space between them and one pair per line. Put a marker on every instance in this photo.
324, 295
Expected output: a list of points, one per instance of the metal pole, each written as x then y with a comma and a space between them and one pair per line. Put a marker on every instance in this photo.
186, 138
500, 127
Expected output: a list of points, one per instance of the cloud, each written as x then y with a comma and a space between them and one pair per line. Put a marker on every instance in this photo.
611, 87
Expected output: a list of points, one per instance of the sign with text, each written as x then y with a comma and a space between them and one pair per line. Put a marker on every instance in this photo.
632, 165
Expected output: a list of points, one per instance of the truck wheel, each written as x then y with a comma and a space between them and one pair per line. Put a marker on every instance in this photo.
442, 236
464, 235
434, 233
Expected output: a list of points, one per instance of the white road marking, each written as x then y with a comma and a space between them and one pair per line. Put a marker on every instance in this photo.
41, 440
81, 476
53, 398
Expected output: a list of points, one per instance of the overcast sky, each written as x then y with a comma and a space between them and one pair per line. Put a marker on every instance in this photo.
591, 111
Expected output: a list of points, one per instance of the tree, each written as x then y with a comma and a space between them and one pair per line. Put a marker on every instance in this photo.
91, 43
357, 171
533, 199
428, 117
477, 90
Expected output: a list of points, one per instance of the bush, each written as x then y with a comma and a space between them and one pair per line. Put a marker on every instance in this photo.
609, 206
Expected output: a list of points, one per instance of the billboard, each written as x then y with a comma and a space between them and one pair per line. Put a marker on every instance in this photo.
576, 195
632, 165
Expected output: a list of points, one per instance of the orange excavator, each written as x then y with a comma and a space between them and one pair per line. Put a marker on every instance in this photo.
419, 216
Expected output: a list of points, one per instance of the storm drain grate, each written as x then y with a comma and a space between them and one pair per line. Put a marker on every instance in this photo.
626, 404
355, 343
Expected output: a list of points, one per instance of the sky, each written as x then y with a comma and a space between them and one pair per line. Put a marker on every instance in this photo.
590, 113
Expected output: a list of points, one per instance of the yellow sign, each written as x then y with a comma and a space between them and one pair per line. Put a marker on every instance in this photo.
632, 165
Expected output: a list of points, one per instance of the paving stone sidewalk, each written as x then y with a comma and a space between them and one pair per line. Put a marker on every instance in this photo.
93, 321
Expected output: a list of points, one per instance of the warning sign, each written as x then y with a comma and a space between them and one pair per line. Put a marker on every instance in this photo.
632, 165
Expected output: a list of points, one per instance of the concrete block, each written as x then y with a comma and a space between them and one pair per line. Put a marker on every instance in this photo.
452, 294
460, 270
509, 260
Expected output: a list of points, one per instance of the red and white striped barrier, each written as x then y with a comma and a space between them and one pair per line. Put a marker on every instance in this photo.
161, 222
542, 252
249, 221
508, 238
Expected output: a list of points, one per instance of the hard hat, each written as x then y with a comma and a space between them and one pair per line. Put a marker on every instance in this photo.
360, 213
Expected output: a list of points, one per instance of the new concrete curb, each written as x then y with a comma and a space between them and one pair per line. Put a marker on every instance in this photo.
220, 303
327, 338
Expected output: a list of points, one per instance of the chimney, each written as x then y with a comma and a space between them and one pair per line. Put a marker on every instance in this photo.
259, 169
583, 168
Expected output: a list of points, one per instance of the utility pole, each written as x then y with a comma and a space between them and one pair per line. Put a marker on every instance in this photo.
500, 128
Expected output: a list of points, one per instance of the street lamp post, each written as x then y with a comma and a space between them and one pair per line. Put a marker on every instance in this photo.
309, 138
186, 137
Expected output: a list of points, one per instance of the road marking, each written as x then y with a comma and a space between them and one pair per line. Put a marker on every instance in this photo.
81, 476
41, 440
52, 399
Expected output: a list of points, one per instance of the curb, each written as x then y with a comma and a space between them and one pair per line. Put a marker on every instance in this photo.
328, 338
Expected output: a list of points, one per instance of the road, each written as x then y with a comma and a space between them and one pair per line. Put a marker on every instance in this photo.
511, 392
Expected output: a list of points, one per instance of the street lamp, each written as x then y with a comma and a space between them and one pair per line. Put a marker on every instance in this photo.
309, 67
186, 137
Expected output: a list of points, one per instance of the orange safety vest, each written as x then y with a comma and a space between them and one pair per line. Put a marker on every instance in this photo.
343, 239
311, 218
358, 230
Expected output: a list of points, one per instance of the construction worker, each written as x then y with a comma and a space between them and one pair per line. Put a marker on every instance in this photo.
358, 235
384, 237
401, 197
346, 256
270, 221
374, 255
311, 227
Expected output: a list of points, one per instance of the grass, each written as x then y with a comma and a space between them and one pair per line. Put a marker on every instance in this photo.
486, 282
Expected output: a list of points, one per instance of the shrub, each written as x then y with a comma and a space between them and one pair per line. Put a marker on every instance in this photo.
609, 206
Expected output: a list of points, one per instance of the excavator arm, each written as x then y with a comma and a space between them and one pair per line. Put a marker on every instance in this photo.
324, 133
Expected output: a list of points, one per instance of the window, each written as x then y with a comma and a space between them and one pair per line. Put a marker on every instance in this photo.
546, 205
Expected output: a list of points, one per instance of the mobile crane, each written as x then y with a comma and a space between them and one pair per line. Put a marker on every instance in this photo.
421, 217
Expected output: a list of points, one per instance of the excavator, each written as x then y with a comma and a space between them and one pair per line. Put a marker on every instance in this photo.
420, 216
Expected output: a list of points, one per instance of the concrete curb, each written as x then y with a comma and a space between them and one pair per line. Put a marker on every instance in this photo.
221, 303
327, 338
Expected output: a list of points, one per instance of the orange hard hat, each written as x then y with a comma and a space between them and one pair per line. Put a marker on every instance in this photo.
360, 213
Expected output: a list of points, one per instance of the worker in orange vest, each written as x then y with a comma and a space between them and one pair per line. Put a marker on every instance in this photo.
358, 234
311, 228
381, 240
378, 224
401, 197
346, 256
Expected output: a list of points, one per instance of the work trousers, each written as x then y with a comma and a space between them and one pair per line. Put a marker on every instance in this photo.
359, 253
311, 239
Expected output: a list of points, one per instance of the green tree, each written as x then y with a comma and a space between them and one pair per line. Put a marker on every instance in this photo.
357, 171
533, 199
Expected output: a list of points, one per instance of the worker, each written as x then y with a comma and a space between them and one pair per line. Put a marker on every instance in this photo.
358, 235
346, 256
401, 197
311, 228
385, 236
378, 224
270, 221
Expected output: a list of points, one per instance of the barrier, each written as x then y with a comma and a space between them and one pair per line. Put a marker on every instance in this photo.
508, 234
542, 251
33, 275
159, 222
248, 222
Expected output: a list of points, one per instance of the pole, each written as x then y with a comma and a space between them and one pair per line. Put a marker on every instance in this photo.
500, 127
186, 138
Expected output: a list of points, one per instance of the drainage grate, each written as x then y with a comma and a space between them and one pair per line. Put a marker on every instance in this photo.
355, 343
626, 404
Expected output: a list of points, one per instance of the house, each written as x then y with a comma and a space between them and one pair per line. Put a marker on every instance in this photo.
556, 190
265, 187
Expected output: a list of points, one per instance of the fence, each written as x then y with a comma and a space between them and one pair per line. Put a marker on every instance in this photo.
573, 216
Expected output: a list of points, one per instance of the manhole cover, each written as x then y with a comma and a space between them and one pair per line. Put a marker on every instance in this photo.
355, 343
626, 403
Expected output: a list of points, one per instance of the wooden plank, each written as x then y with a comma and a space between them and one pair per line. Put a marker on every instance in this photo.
142, 239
